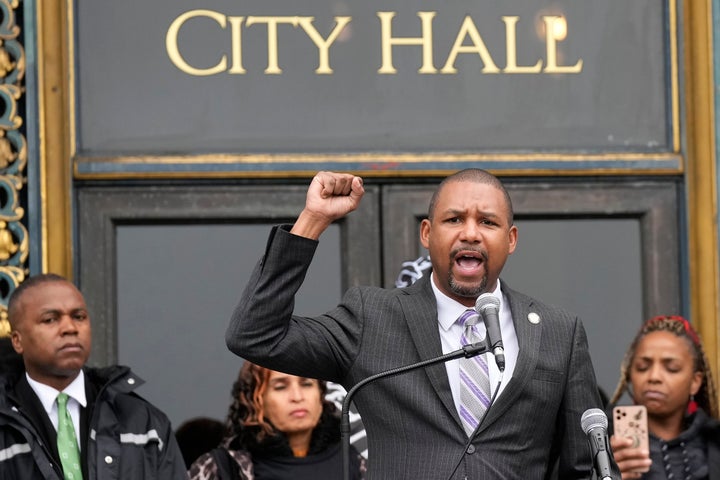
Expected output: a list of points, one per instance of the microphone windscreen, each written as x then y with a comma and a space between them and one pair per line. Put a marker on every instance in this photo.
486, 300
593, 418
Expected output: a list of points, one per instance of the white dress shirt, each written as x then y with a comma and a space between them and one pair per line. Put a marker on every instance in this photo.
48, 398
449, 311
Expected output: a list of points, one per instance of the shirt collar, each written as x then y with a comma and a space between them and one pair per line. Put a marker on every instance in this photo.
449, 310
48, 394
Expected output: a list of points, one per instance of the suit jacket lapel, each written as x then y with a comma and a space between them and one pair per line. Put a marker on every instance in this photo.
29, 404
528, 335
420, 312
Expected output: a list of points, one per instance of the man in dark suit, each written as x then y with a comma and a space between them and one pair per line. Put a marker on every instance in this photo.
111, 431
414, 425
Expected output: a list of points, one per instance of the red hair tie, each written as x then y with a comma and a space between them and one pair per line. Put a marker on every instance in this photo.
686, 325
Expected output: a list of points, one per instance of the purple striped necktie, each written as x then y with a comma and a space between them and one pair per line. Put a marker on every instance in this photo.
474, 377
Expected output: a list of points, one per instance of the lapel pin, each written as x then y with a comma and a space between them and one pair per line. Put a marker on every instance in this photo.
533, 318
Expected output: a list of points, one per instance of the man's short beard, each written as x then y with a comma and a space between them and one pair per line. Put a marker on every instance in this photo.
467, 292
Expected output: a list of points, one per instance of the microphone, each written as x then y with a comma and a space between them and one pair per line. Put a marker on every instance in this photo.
594, 423
468, 351
488, 306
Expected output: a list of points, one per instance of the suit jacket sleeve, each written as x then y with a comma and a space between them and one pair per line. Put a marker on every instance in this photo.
264, 330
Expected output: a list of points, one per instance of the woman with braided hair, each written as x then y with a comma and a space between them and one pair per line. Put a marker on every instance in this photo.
666, 370
279, 426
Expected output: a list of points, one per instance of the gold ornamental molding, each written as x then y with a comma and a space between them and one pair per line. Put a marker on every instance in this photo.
14, 243
56, 131
701, 178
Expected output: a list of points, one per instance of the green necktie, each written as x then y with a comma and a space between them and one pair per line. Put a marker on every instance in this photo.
67, 441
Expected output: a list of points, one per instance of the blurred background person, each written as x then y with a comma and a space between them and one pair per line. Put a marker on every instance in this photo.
197, 436
279, 426
666, 370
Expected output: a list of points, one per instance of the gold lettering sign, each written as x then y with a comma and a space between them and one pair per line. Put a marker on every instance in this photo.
467, 41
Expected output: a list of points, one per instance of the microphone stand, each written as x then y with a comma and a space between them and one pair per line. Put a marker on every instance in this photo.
468, 351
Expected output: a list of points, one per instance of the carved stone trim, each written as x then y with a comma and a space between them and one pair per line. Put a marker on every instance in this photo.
14, 243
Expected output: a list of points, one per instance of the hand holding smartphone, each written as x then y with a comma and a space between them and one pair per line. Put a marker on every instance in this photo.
631, 421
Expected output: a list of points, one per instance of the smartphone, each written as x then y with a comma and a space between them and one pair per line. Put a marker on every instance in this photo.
631, 421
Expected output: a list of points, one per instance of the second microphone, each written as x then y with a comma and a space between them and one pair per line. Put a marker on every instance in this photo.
488, 306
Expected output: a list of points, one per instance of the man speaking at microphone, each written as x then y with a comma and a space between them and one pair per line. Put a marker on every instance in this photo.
465, 419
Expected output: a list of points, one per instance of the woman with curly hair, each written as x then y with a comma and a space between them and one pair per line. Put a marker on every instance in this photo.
279, 426
666, 370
